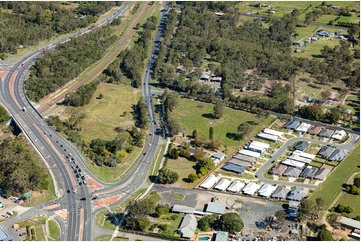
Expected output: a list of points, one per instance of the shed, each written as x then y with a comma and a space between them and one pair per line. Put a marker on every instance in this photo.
219, 155
248, 159
234, 168
270, 137
204, 77
221, 236
273, 132
280, 193
325, 133
188, 226
216, 79
339, 134
236, 186
215, 207
304, 154
279, 169
251, 188
249, 153
309, 172
209, 182
315, 130
338, 155
300, 159
239, 162
321, 174
351, 223
222, 185
301, 145
326, 151
296, 194
293, 163
293, 124
292, 172
258, 146
182, 209
266, 190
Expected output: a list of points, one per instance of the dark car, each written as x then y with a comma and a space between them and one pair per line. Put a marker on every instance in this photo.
83, 199
68, 191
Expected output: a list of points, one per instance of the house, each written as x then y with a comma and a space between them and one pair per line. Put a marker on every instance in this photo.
301, 145
293, 163
309, 172
236, 186
338, 155
204, 77
248, 159
325, 133
292, 172
239, 162
216, 79
293, 204
209, 182
299, 43
339, 135
251, 188
218, 157
270, 137
234, 168
300, 159
293, 124
182, 209
315, 130
297, 50
296, 194
266, 190
321, 174
348, 222
304, 154
188, 226
326, 151
258, 146
221, 236
249, 153
222, 185
215, 207
273, 132
303, 127
219, 14
279, 169
280, 193
4, 236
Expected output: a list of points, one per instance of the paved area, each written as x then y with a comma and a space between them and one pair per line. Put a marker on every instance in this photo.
170, 197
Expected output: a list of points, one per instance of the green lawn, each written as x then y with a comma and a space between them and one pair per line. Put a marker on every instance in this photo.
47, 195
324, 19
351, 19
193, 115
54, 229
172, 221
36, 223
102, 221
154, 197
351, 200
330, 188
183, 167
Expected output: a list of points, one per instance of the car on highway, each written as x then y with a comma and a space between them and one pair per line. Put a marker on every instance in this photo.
83, 199
24, 109
68, 191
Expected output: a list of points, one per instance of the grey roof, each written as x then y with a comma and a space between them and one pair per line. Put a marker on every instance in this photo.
241, 157
296, 194
301, 145
293, 204
221, 236
309, 172
322, 173
349, 222
205, 76
188, 226
215, 207
182, 209
239, 162
4, 236
280, 192
292, 172
219, 155
234, 168
279, 169
338, 155
293, 124
326, 151
327, 133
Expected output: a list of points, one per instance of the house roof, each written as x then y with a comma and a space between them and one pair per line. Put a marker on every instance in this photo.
326, 151
293, 163
266, 190
301, 145
182, 209
293, 204
315, 130
249, 153
234, 168
280, 192
349, 222
236, 186
219, 155
239, 162
296, 194
4, 236
258, 146
322, 173
338, 155
251, 188
273, 132
221, 236
327, 133
303, 127
209, 182
292, 172
268, 136
223, 184
215, 207
339, 134
188, 226
304, 154
249, 159
216, 79
300, 159
309, 172
205, 76
293, 124
279, 169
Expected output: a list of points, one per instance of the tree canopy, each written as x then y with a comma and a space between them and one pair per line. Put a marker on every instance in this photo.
231, 222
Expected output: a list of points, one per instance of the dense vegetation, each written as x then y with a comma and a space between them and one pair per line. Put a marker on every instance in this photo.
26, 23
20, 170
66, 62
82, 96
3, 115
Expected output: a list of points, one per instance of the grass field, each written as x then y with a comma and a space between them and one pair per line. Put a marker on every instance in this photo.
332, 187
103, 115
172, 221
183, 167
194, 115
54, 229
47, 195
351, 200
36, 223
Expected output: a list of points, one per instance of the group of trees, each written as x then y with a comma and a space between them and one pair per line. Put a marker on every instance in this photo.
4, 116
317, 112
66, 62
141, 114
82, 96
355, 187
230, 222
27, 23
170, 102
166, 176
20, 169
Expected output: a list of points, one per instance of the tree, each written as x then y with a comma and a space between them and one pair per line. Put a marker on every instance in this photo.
356, 182
281, 216
162, 209
313, 112
167, 176
192, 177
326, 94
207, 222
211, 133
173, 154
194, 134
324, 235
244, 129
332, 219
205, 165
306, 208
218, 109
100, 96
320, 202
198, 155
171, 101
231, 222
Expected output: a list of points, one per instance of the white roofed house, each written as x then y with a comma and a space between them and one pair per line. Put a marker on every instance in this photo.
249, 153
251, 188
273, 132
270, 137
304, 154
222, 185
218, 157
303, 127
209, 182
339, 135
236, 186
258, 146
204, 77
300, 159
293, 163
266, 190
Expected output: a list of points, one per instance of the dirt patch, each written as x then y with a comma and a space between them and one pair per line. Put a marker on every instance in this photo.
93, 184
52, 206
3, 74
62, 213
106, 201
